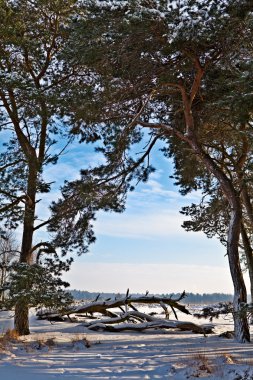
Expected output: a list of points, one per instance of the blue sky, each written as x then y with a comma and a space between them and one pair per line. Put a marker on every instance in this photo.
145, 247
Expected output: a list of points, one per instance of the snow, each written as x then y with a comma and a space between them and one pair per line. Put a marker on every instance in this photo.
186, 20
71, 351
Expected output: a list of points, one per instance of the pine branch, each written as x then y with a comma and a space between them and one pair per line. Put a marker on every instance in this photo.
11, 205
2, 168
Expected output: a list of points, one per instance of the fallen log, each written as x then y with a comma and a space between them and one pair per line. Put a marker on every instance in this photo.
127, 301
159, 324
131, 315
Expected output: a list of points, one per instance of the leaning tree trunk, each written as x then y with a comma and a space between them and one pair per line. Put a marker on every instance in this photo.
190, 136
241, 325
246, 241
249, 257
21, 319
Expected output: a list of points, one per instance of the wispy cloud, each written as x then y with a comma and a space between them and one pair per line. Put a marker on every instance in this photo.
152, 211
75, 158
160, 185
146, 225
156, 188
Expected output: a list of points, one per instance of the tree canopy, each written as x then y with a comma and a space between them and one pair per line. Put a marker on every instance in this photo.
36, 83
111, 72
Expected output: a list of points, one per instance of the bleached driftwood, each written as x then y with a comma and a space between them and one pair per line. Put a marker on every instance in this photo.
103, 307
185, 326
128, 317
141, 321
134, 316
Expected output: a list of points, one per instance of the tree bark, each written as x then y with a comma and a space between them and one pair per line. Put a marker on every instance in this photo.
247, 203
246, 242
21, 320
28, 227
241, 325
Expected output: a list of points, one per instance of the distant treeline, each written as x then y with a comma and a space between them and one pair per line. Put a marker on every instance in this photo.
190, 298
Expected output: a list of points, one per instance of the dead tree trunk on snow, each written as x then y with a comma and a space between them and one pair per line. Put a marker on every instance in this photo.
103, 307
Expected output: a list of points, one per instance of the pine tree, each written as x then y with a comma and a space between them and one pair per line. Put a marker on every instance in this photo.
34, 85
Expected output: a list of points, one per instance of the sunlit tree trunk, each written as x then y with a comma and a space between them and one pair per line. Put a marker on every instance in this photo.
249, 259
241, 327
21, 318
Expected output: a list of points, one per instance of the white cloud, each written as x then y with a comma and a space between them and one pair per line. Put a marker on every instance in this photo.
150, 224
156, 188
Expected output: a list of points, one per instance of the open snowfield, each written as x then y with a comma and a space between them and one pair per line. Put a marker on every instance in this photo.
71, 352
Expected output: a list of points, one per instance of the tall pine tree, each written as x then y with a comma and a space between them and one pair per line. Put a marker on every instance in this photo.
35, 84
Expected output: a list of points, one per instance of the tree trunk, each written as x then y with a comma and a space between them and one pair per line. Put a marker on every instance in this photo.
28, 229
246, 241
241, 325
228, 188
21, 320
104, 306
159, 324
249, 257
247, 203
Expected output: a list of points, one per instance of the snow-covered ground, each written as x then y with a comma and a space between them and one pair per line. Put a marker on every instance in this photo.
72, 352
